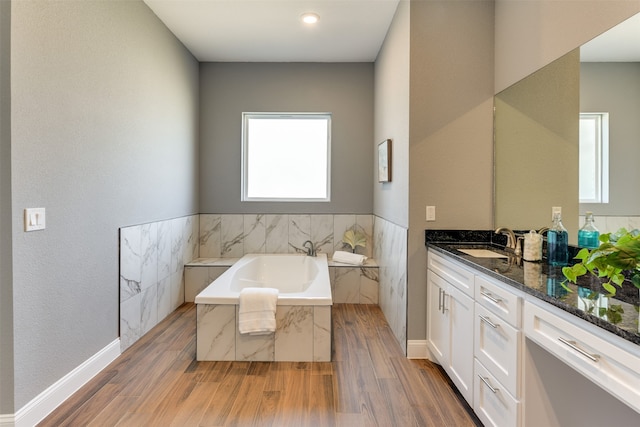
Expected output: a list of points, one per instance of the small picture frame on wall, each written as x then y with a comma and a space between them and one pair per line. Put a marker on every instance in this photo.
384, 161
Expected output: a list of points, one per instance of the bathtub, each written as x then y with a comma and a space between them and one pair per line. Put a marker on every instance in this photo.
300, 279
303, 314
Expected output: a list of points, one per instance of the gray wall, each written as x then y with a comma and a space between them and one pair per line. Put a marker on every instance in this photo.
451, 132
228, 89
614, 87
6, 291
391, 200
104, 134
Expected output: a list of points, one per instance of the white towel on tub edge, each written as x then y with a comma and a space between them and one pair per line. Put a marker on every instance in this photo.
257, 311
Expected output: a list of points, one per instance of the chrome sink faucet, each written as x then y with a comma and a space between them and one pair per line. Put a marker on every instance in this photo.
311, 250
512, 242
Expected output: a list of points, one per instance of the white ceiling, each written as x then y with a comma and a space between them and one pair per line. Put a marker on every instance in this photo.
619, 44
348, 31
271, 30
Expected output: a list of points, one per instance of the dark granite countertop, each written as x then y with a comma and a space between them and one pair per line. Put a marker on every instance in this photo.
586, 300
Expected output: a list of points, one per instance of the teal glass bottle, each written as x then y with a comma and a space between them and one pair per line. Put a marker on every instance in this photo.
557, 243
588, 235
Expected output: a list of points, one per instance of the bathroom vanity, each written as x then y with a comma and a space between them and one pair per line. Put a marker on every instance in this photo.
522, 348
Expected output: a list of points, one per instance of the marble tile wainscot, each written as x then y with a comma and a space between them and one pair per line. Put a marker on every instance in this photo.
152, 258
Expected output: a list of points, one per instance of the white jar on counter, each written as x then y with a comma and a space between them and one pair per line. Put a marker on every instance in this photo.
532, 246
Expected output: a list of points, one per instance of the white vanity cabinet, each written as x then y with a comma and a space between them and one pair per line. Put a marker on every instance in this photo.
498, 353
450, 316
504, 349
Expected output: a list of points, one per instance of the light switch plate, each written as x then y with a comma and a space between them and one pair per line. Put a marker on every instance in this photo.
431, 213
34, 219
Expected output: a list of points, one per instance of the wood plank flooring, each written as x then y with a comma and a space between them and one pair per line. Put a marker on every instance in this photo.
158, 382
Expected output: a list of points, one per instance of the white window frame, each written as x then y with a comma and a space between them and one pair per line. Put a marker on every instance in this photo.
301, 164
599, 154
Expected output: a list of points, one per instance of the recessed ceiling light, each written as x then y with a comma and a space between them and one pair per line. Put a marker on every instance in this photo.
310, 18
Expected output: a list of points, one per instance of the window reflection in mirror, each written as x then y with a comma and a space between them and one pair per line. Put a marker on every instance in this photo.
594, 158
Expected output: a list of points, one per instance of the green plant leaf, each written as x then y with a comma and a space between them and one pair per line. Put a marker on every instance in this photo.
609, 288
354, 238
618, 252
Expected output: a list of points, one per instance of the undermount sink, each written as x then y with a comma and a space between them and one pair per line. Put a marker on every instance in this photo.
482, 253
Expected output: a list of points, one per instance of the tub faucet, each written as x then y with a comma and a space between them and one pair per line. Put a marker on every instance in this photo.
512, 242
311, 250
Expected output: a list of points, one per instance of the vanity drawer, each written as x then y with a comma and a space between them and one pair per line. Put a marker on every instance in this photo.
581, 346
498, 300
452, 272
494, 405
498, 345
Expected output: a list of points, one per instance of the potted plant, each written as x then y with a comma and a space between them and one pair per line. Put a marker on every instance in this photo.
353, 239
616, 259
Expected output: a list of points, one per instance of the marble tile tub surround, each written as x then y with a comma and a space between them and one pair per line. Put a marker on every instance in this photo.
350, 284
390, 252
234, 235
303, 334
153, 256
152, 259
230, 236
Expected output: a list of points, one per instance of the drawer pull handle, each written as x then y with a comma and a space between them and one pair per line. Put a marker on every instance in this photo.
439, 299
488, 322
490, 297
486, 382
574, 346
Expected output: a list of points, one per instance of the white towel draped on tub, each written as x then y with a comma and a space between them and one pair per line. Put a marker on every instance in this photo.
257, 311
349, 258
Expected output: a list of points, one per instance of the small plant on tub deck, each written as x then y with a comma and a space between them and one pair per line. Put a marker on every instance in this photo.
618, 252
354, 239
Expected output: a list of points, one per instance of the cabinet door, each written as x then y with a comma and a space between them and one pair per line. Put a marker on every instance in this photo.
459, 308
437, 320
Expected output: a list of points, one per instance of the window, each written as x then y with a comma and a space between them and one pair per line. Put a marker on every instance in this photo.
594, 158
286, 157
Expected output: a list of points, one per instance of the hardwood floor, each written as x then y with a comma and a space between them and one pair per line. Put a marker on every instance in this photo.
157, 382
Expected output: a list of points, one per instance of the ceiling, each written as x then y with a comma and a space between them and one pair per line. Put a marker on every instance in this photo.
272, 31
348, 31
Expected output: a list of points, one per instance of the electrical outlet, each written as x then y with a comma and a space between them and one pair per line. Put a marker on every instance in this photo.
431, 213
556, 209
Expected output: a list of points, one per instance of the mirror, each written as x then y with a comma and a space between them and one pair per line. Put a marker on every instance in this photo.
536, 140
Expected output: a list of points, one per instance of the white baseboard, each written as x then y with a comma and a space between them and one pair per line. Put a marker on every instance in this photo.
43, 404
417, 349
7, 420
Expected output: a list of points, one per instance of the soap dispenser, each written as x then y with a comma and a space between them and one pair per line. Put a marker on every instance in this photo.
557, 243
588, 235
